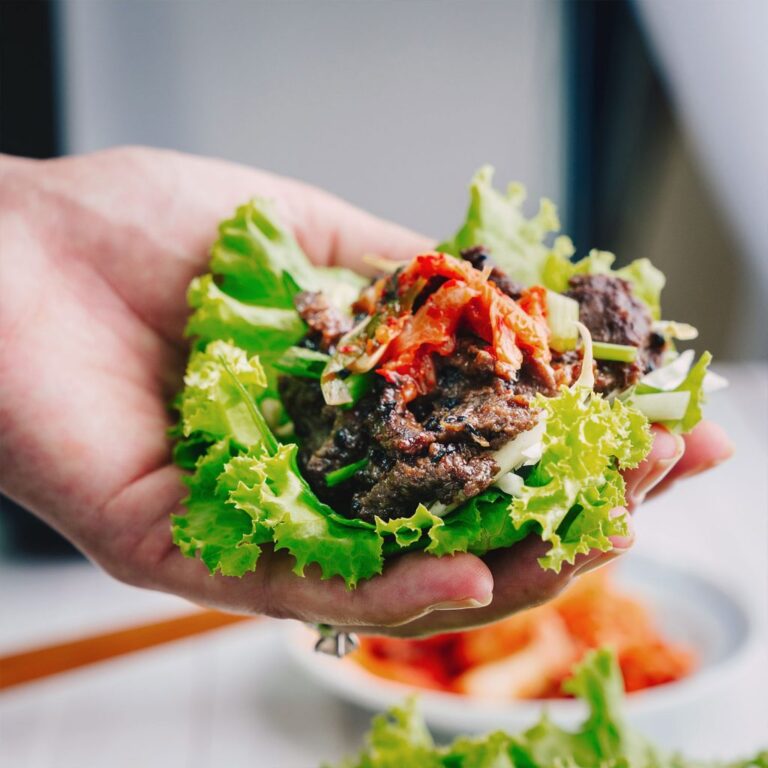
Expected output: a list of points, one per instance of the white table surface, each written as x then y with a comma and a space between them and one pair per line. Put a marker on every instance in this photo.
232, 698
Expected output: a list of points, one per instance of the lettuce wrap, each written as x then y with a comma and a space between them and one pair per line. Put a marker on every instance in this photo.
247, 481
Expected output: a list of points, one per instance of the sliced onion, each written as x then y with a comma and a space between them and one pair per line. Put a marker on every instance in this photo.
662, 406
586, 378
510, 483
524, 450
671, 329
670, 376
335, 391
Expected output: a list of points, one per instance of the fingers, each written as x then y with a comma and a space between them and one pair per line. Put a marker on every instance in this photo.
167, 207
666, 452
674, 457
519, 583
333, 232
409, 587
706, 446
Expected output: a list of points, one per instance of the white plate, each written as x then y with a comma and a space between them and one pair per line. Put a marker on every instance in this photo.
689, 608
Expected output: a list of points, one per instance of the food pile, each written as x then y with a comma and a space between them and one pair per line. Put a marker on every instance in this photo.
530, 655
483, 392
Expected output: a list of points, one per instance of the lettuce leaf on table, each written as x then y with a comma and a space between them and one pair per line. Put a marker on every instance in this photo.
399, 738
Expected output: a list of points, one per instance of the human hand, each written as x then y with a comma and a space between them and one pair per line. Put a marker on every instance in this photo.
95, 256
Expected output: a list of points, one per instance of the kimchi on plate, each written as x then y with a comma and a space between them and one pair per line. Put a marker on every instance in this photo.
530, 655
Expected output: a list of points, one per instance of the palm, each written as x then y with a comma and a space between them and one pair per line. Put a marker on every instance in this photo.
97, 256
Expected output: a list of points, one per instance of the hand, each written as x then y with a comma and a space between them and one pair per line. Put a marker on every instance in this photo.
95, 256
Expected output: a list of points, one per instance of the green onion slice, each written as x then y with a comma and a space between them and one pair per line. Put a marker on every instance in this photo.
621, 353
344, 473
562, 316
301, 362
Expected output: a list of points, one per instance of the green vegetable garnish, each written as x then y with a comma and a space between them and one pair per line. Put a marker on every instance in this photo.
622, 353
344, 473
304, 363
562, 315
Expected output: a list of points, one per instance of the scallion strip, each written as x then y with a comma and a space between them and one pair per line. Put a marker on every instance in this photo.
620, 353
344, 473
358, 385
301, 362
562, 315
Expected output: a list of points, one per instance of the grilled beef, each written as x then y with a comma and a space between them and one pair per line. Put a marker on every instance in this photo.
613, 314
440, 446
437, 447
326, 324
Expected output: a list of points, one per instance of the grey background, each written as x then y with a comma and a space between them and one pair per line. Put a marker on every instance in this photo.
392, 105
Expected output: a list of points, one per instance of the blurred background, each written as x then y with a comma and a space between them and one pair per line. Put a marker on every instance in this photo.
645, 121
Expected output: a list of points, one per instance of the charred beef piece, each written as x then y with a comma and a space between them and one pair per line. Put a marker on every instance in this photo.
436, 448
613, 314
326, 324
609, 309
445, 476
479, 258
306, 400
471, 405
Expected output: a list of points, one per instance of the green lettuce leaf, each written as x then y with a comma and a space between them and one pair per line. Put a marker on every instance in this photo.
558, 270
399, 738
259, 492
257, 267
604, 739
259, 261
221, 386
225, 538
479, 525
408, 530
255, 328
577, 483
272, 490
518, 245
693, 383
496, 221
491, 751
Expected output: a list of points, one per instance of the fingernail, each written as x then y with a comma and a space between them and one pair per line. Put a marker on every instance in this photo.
622, 543
456, 605
661, 469
599, 562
